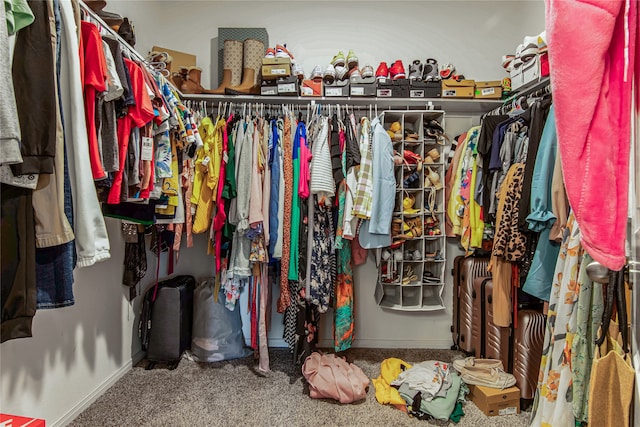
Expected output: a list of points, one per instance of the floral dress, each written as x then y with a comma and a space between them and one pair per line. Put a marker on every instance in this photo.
553, 405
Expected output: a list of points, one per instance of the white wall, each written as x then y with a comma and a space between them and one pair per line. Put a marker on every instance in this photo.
77, 352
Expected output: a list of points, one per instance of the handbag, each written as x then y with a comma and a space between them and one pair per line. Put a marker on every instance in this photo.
334, 378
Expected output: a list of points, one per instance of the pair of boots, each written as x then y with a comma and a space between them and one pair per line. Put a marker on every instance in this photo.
241, 67
187, 79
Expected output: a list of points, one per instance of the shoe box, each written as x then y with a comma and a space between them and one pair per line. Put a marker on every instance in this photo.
421, 89
495, 401
489, 90
530, 72
387, 88
275, 68
364, 87
458, 89
311, 88
337, 89
284, 86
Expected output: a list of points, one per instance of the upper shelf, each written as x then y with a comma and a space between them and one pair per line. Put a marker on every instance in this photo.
450, 105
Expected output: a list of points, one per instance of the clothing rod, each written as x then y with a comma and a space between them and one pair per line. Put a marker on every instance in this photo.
538, 89
120, 40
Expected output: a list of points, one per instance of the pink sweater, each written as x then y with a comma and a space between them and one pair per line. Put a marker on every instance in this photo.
592, 48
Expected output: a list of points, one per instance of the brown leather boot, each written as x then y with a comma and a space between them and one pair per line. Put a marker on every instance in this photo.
232, 66
192, 82
252, 60
179, 77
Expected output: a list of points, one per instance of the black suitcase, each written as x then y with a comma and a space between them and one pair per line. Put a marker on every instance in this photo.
463, 328
165, 323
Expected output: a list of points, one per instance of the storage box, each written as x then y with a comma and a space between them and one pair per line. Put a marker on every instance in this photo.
289, 86
363, 87
393, 88
458, 89
420, 89
276, 61
489, 90
15, 421
494, 401
276, 71
269, 88
180, 59
311, 88
337, 88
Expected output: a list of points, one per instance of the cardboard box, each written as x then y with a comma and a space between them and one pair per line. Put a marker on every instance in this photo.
269, 88
276, 71
393, 88
289, 86
420, 89
494, 401
458, 89
489, 90
337, 89
311, 88
363, 87
276, 61
180, 59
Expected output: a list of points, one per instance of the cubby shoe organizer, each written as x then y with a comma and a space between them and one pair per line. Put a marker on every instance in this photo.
411, 273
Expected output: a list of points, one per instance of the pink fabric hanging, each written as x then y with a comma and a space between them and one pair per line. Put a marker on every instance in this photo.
592, 48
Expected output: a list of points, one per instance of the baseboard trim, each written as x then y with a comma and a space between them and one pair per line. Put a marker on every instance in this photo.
375, 343
94, 395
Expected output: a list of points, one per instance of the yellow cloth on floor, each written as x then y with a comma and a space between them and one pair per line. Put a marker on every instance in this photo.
389, 371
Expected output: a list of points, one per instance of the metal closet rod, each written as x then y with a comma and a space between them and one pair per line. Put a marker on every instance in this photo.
123, 43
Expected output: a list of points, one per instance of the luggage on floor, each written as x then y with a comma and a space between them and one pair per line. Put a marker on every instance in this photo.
165, 323
496, 339
217, 331
466, 269
528, 341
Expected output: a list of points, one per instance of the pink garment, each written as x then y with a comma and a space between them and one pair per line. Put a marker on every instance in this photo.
334, 378
255, 199
592, 44
305, 170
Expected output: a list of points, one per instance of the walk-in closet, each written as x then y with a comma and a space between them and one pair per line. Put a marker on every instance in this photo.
320, 213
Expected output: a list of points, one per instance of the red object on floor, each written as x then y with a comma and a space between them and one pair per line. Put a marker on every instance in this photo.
16, 421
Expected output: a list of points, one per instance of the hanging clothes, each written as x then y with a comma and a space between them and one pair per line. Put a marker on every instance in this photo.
553, 403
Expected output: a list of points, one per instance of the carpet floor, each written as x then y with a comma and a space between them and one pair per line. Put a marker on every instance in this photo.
235, 393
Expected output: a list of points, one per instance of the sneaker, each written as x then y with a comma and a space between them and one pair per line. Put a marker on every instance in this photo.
355, 76
352, 60
415, 70
542, 42
297, 70
316, 73
329, 75
366, 71
338, 60
529, 48
383, 71
282, 52
397, 71
430, 71
488, 377
341, 72
271, 53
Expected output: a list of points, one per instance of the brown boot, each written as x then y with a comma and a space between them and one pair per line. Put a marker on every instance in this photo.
192, 83
232, 66
179, 77
252, 60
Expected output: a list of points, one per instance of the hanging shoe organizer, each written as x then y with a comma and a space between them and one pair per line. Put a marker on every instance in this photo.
411, 272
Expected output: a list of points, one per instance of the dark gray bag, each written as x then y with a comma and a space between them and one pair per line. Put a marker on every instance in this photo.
166, 321
217, 331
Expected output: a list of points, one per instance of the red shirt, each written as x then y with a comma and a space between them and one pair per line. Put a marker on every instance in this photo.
138, 115
94, 77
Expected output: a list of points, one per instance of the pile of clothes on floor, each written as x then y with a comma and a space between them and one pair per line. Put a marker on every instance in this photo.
426, 390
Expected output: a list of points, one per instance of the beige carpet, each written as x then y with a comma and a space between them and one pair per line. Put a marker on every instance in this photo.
235, 393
